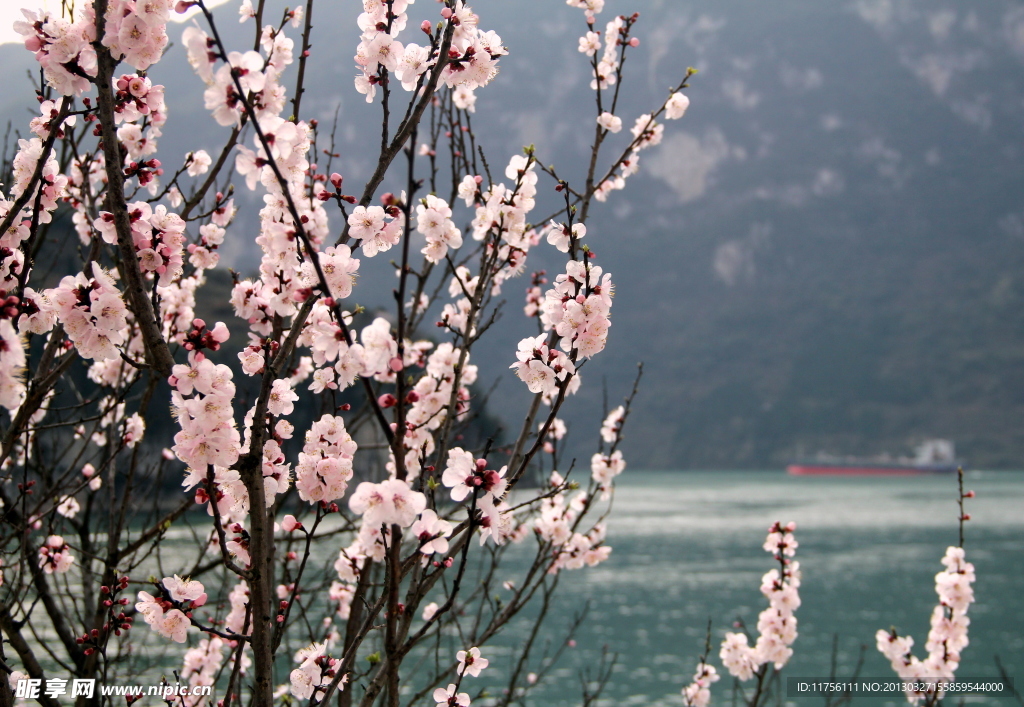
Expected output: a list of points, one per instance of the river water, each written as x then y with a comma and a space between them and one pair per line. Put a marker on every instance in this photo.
687, 548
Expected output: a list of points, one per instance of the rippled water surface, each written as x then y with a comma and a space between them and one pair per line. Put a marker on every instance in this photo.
687, 547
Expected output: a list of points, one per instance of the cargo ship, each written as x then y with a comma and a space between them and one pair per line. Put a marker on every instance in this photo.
933, 456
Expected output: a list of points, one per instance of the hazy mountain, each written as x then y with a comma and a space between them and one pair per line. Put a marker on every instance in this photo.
825, 254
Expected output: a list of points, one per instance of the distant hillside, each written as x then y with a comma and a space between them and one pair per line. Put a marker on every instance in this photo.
826, 254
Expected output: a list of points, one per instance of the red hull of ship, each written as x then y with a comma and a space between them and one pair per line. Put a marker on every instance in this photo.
864, 470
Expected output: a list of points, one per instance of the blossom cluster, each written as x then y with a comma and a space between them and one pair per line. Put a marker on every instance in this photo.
158, 236
316, 668
471, 62
611, 428
381, 505
948, 634
238, 600
466, 476
208, 435
556, 524
434, 221
92, 312
502, 211
430, 398
51, 188
55, 556
578, 306
607, 67
376, 355
258, 74
577, 310
543, 368
604, 468
471, 664
777, 623
325, 462
379, 228
390, 502
698, 692
473, 57
137, 99
202, 664
203, 254
590, 7
63, 49
12, 365
169, 614
380, 24
136, 31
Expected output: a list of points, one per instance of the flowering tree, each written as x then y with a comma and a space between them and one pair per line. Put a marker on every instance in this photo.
288, 570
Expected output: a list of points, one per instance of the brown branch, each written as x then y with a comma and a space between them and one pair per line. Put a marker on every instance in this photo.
24, 651
157, 352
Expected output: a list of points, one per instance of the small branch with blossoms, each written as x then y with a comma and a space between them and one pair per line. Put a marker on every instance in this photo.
948, 635
925, 680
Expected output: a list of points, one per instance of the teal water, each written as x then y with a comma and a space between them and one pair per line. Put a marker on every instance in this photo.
687, 547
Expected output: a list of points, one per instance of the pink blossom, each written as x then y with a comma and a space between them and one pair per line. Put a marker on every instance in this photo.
698, 692
612, 425
432, 532
590, 43
676, 105
470, 662
434, 221
198, 162
282, 398
174, 626
314, 666
609, 122
185, 590
12, 365
448, 696
604, 468
68, 507
389, 502
463, 475
55, 556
